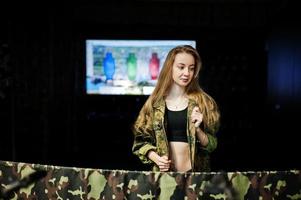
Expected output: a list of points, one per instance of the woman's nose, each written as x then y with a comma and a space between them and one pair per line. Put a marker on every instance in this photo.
186, 71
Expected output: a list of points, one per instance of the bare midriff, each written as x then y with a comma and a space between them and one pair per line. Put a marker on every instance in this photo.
179, 155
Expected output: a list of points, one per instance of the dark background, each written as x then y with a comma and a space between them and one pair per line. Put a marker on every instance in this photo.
251, 67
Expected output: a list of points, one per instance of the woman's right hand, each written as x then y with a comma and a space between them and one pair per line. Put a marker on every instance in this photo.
162, 161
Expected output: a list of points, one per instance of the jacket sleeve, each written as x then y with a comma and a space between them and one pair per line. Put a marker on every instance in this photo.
144, 139
212, 139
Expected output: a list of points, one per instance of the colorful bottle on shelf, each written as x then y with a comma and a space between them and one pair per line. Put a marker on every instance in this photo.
109, 66
154, 65
131, 66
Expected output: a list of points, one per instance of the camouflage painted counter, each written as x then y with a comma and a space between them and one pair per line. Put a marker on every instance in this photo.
86, 183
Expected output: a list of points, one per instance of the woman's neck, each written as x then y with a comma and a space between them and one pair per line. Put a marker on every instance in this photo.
176, 99
176, 91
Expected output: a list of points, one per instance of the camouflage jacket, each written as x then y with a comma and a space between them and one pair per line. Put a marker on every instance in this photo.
153, 137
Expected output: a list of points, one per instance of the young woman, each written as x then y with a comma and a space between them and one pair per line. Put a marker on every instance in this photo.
175, 129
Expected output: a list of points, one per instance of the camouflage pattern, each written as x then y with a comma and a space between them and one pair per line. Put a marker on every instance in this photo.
92, 184
152, 136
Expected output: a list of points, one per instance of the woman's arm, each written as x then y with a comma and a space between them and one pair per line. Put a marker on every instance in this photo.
202, 136
162, 161
208, 142
144, 137
143, 143
206, 137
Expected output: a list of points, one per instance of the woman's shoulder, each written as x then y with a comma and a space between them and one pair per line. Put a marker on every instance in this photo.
158, 102
202, 98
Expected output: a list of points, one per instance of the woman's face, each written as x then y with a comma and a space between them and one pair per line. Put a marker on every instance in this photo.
183, 69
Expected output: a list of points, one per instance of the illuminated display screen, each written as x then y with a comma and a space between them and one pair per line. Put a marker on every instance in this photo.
126, 67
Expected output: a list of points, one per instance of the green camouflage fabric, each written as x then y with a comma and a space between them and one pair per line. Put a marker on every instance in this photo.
91, 184
152, 136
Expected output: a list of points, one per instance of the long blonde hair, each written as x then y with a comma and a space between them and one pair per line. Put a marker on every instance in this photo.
206, 103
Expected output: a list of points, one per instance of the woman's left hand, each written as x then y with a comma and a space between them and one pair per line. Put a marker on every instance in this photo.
196, 116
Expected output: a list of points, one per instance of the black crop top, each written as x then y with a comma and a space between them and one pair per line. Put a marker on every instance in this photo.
176, 125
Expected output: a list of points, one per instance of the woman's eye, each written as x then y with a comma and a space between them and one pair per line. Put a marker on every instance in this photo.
181, 67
